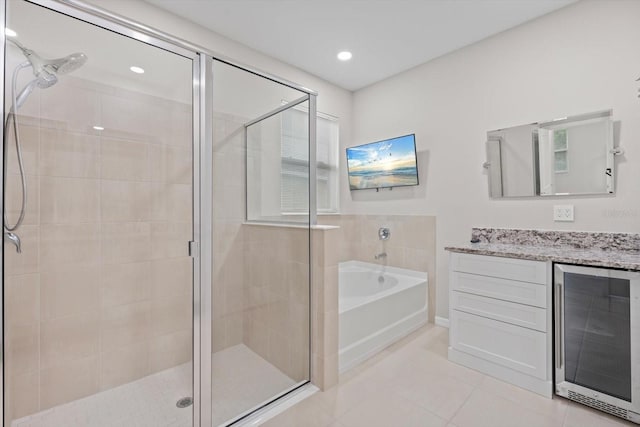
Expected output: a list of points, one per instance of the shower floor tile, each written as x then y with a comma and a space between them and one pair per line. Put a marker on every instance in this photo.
242, 380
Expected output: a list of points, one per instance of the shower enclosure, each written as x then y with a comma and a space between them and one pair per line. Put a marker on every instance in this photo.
157, 201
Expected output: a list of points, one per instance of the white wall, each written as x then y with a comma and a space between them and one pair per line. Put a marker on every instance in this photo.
582, 58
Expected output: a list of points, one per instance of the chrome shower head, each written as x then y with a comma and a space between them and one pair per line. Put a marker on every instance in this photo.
47, 70
66, 65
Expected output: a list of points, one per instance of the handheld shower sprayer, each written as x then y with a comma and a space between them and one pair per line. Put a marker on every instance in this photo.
46, 73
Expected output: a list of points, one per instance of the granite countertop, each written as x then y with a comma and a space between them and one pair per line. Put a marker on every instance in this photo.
627, 260
613, 250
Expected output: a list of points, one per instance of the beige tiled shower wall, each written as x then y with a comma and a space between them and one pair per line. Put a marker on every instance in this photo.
261, 272
228, 233
101, 294
276, 318
411, 245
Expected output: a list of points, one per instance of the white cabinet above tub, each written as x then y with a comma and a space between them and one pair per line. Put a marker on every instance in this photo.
500, 318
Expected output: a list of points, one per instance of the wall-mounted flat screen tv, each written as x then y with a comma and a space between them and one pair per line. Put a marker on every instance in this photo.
383, 164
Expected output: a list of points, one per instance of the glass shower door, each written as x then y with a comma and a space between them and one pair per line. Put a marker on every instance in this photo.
98, 322
260, 322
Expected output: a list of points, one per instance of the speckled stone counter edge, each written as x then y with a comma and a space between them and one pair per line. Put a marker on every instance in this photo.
626, 260
554, 238
611, 250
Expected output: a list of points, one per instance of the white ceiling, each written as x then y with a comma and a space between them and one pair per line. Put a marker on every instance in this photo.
385, 36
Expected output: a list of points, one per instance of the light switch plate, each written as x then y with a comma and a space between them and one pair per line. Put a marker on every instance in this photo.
563, 213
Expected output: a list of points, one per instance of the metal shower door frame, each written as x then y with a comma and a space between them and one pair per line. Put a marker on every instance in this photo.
3, 17
201, 271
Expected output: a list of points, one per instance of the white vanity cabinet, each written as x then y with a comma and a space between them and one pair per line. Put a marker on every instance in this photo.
500, 318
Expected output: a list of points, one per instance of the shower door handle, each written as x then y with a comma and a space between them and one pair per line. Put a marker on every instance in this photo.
193, 249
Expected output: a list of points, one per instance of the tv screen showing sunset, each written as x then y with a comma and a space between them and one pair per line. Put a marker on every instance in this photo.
388, 163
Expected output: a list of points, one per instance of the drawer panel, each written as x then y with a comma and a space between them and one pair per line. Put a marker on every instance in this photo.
514, 347
503, 289
516, 314
506, 268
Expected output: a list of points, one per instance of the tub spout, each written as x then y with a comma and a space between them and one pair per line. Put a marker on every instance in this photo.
381, 255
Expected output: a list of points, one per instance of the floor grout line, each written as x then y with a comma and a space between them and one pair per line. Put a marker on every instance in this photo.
476, 387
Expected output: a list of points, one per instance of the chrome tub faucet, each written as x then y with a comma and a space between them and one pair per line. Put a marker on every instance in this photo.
381, 255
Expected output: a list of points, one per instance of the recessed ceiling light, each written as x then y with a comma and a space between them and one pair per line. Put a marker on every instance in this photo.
10, 33
137, 70
98, 128
345, 55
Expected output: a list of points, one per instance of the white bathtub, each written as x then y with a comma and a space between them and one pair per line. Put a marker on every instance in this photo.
378, 306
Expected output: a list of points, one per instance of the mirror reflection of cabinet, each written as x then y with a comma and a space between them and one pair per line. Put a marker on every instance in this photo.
571, 155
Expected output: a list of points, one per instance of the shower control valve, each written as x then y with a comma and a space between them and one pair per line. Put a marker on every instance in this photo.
384, 233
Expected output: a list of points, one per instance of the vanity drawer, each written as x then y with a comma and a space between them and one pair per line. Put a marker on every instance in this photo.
514, 347
503, 289
504, 311
506, 268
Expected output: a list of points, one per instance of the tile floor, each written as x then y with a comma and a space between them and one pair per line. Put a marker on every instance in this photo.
243, 380
413, 384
